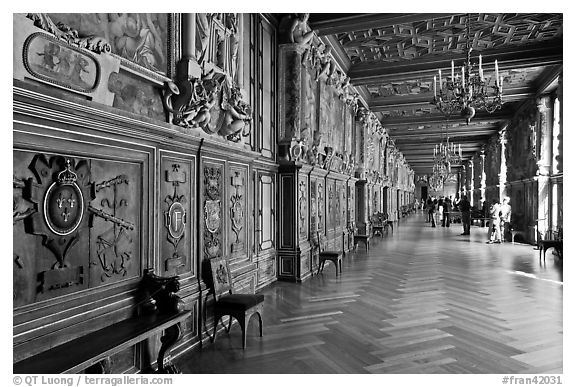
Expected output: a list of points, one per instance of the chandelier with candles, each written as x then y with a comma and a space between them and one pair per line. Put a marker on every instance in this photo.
446, 154
468, 91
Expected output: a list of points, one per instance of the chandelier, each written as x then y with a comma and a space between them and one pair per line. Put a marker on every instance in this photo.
435, 182
446, 154
465, 92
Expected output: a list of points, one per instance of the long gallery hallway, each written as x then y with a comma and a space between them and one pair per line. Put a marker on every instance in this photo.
422, 300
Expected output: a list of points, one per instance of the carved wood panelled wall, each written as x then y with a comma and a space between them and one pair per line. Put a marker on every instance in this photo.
120, 165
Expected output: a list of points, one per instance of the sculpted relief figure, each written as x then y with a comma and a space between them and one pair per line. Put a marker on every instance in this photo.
299, 30
191, 100
327, 66
237, 115
203, 21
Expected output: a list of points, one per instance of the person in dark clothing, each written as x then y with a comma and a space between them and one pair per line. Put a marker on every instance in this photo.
465, 209
431, 210
447, 206
427, 207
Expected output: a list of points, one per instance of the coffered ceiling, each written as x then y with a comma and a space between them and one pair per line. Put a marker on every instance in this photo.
392, 59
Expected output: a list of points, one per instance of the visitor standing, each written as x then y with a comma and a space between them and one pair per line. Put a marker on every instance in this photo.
465, 209
494, 235
505, 215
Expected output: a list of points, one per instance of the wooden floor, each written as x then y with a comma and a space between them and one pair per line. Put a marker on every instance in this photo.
422, 300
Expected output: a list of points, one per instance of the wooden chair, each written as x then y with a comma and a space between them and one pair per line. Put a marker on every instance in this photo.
327, 255
552, 239
239, 306
364, 238
378, 224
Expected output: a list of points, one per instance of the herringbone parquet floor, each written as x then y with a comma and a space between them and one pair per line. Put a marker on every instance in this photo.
422, 300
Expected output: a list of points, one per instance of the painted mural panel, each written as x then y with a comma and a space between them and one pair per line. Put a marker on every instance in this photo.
331, 123
310, 108
58, 63
141, 38
134, 95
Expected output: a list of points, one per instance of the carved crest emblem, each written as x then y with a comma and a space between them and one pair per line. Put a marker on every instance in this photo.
212, 182
64, 203
175, 219
212, 215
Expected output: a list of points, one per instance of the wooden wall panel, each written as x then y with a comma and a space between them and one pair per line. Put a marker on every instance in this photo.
212, 207
238, 210
302, 213
178, 214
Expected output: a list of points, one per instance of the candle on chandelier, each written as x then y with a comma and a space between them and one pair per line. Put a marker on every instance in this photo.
434, 85
452, 71
460, 150
496, 69
440, 78
463, 81
480, 72
501, 82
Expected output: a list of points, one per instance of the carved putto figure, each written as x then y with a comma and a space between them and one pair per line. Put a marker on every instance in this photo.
237, 115
327, 66
191, 100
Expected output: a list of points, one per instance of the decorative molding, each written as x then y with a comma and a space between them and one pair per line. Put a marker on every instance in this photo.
63, 32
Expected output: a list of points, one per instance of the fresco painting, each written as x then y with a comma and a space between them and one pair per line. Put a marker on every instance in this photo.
141, 38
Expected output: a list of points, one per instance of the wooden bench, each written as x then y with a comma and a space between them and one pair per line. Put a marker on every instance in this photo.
164, 314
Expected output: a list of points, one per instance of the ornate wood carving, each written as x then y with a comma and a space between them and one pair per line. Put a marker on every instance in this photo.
313, 207
175, 217
321, 206
114, 245
69, 35
302, 208
237, 210
489, 31
21, 208
212, 211
331, 206
61, 195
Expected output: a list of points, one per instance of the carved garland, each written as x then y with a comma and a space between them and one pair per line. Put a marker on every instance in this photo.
302, 208
237, 211
212, 210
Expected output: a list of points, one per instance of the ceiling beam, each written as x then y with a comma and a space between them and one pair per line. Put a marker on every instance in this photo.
328, 24
441, 119
407, 135
415, 100
516, 57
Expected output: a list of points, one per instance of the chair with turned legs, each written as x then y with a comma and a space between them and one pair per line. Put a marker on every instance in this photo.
240, 306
